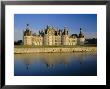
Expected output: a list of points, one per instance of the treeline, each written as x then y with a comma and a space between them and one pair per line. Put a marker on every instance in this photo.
19, 42
91, 41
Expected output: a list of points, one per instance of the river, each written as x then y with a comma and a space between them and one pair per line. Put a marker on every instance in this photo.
56, 64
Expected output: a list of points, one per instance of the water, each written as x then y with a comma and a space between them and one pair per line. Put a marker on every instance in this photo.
56, 64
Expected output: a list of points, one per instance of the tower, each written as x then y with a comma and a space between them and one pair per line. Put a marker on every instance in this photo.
81, 38
65, 37
49, 36
27, 36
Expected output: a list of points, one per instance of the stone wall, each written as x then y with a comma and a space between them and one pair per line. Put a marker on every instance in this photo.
54, 49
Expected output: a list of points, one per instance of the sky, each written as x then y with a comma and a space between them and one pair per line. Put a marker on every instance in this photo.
88, 23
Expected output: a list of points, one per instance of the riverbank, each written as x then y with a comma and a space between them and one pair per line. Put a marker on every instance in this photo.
18, 50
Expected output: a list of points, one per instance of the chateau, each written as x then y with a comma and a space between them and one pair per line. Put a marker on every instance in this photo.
52, 36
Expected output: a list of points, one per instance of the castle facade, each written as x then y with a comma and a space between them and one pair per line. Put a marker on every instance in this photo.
52, 36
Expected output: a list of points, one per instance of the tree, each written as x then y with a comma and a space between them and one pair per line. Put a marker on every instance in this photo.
19, 42
91, 41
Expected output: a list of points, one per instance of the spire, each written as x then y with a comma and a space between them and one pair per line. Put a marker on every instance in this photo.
27, 32
47, 26
81, 34
65, 30
27, 24
39, 32
80, 30
27, 27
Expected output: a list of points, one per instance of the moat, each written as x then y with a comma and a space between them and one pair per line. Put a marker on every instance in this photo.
56, 64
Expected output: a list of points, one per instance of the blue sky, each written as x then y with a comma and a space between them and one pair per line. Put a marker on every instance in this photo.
88, 23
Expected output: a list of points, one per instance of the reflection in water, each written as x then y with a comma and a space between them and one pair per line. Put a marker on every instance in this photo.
56, 64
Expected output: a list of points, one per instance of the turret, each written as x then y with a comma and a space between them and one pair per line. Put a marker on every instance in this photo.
81, 38
39, 32
65, 37
49, 27
65, 31
27, 36
27, 32
60, 32
81, 34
